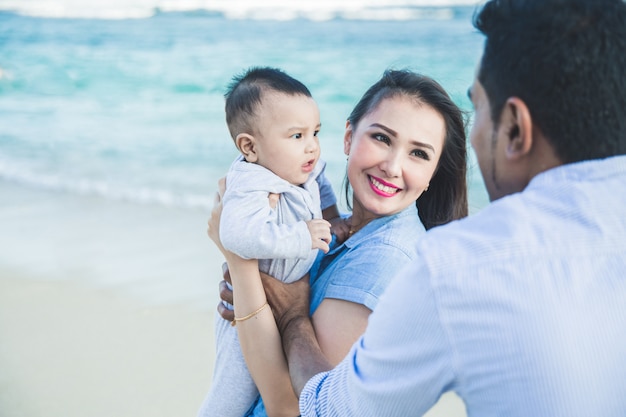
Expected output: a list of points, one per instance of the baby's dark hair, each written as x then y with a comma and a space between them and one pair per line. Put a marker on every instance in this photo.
245, 93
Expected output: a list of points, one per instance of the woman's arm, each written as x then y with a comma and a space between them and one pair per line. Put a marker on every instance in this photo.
338, 324
260, 340
258, 335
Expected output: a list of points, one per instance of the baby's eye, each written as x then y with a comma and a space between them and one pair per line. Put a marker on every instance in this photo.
297, 136
316, 133
421, 154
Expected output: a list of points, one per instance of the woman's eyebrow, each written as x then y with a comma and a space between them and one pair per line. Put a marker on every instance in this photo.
394, 133
423, 145
385, 128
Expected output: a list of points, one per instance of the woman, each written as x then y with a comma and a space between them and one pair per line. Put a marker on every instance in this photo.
406, 148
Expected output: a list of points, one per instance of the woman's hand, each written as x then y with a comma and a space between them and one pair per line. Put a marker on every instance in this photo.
213, 229
340, 227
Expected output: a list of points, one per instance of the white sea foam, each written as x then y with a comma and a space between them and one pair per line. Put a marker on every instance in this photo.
237, 9
118, 192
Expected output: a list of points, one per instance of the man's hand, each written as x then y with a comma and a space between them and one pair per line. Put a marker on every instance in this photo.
320, 234
288, 301
290, 305
226, 294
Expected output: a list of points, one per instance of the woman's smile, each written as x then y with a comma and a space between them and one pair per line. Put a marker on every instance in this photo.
383, 188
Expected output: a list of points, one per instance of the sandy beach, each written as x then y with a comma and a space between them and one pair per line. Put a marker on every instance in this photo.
106, 308
70, 351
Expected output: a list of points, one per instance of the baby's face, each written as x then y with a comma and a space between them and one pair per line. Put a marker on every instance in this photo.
287, 142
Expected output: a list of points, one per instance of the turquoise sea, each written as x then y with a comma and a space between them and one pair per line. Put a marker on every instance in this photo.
132, 109
111, 117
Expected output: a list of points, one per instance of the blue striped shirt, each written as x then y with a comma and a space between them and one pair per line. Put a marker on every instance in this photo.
519, 309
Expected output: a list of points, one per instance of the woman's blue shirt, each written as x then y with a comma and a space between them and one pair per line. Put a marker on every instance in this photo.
359, 269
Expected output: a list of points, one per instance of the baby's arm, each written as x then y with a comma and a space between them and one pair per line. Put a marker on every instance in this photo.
248, 228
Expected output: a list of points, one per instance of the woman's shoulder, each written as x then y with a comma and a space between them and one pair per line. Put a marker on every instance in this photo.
397, 233
377, 250
362, 269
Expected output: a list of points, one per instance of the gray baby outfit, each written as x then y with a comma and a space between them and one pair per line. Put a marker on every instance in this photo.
279, 238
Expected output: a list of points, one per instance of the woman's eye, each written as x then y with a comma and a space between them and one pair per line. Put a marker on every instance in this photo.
381, 138
421, 154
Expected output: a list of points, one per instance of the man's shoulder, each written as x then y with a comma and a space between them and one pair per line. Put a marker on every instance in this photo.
479, 237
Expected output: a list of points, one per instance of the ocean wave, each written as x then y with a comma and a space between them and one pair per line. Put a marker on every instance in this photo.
282, 10
102, 189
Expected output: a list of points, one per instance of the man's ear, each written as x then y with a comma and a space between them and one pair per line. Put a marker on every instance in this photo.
347, 139
246, 144
518, 128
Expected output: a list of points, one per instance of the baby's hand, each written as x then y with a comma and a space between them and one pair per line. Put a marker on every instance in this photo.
340, 227
320, 234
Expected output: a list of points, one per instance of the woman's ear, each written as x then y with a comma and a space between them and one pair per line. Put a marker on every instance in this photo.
347, 139
246, 144
518, 123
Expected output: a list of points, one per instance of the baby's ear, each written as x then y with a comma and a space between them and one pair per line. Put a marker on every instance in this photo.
246, 144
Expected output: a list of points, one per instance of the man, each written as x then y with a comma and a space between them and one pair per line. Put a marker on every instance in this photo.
521, 308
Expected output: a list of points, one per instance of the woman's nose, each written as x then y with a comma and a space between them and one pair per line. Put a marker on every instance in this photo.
392, 164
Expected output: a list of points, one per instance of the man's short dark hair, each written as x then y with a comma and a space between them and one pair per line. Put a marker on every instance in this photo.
566, 59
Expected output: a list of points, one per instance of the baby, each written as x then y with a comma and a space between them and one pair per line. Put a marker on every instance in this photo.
274, 122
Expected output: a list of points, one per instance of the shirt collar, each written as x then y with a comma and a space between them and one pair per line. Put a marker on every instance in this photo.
375, 224
590, 170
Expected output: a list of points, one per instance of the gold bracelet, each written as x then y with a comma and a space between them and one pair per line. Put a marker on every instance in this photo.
249, 316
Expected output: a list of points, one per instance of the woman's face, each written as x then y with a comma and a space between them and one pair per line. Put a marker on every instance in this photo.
392, 155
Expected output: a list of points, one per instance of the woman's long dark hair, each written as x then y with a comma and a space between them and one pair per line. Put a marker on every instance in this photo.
446, 197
